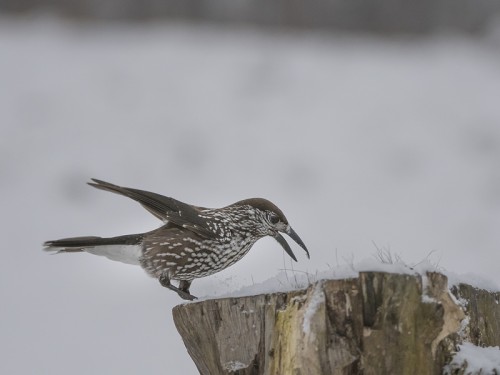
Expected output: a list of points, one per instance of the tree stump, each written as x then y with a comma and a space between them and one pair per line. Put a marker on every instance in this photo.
379, 323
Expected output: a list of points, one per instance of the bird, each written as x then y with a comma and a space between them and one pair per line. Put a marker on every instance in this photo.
193, 241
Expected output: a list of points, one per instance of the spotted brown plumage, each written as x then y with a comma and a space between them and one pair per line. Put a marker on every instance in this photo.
194, 242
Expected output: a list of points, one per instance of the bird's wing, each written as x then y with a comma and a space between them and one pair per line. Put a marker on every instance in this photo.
164, 208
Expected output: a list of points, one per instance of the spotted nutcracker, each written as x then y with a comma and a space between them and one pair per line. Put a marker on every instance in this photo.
194, 241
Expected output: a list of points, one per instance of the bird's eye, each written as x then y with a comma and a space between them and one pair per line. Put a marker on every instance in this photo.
274, 219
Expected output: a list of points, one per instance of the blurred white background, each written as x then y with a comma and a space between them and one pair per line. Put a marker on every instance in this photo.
358, 138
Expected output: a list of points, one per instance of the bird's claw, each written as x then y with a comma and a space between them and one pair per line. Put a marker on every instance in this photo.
186, 296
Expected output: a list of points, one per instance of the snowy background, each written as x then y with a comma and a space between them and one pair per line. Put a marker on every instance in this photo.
359, 139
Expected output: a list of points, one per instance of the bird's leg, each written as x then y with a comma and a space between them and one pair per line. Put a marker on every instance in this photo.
182, 291
184, 285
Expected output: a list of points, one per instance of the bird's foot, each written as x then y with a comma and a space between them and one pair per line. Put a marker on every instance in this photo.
182, 292
186, 295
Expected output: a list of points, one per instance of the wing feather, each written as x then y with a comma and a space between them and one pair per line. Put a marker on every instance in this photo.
164, 208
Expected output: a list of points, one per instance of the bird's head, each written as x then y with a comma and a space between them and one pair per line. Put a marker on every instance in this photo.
269, 220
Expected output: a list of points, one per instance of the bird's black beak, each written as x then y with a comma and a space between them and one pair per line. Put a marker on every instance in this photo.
294, 236
285, 245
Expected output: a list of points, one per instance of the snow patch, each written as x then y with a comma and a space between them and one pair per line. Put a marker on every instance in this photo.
429, 299
464, 325
317, 298
425, 297
288, 280
234, 366
479, 360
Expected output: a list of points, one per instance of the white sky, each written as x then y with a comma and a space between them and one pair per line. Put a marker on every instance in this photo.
356, 139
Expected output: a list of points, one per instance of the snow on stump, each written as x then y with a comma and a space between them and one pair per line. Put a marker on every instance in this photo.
378, 323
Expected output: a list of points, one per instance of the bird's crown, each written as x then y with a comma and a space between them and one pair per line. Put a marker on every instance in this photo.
263, 205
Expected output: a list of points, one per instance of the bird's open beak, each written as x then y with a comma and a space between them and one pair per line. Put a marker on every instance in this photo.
294, 236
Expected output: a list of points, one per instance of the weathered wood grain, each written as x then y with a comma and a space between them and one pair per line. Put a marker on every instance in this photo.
378, 323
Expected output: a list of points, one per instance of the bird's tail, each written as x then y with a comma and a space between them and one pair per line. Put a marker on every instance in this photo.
126, 249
